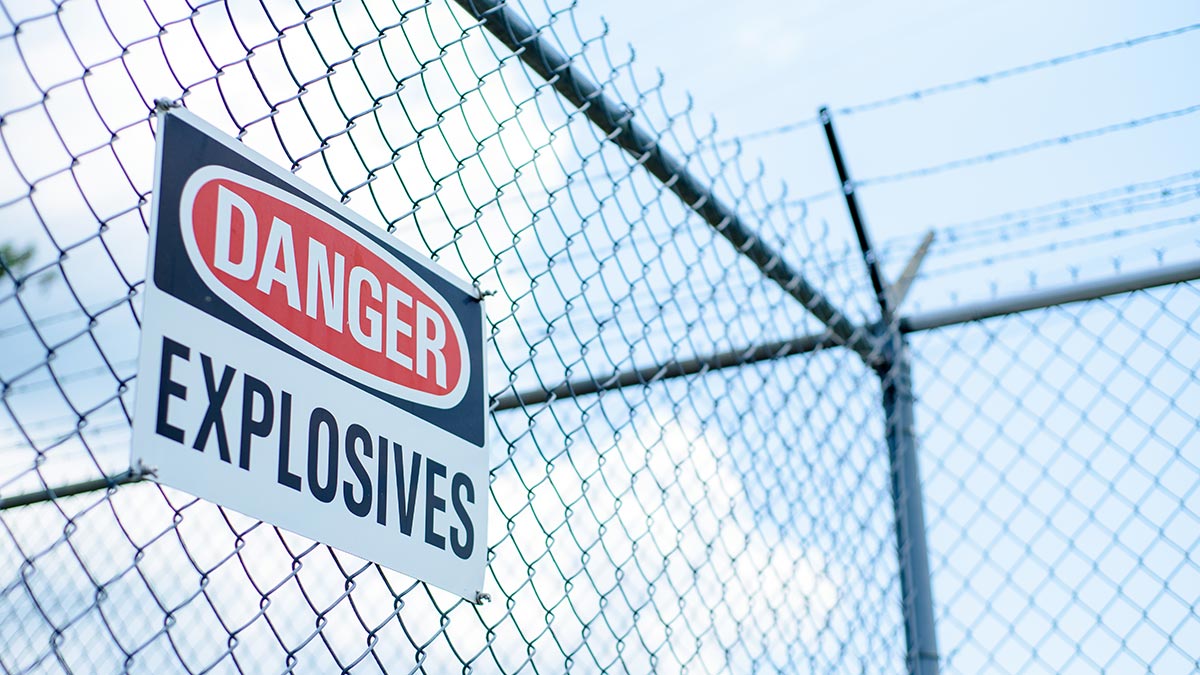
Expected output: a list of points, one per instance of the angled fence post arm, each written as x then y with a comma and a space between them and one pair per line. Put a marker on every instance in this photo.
904, 282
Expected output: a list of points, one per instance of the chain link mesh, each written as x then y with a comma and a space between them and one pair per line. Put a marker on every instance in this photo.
730, 521
737, 519
1060, 452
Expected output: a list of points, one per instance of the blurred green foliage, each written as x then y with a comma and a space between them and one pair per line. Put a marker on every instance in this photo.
14, 258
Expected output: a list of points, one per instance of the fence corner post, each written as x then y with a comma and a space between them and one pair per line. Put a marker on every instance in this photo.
913, 555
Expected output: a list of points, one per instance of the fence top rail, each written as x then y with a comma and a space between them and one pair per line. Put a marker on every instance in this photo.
1051, 297
620, 125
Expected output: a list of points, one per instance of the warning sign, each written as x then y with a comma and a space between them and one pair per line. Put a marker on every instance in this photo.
300, 366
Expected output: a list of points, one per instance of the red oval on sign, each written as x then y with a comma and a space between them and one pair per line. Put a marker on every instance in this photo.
337, 296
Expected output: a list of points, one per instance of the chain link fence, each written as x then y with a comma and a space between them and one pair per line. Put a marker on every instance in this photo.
1062, 463
659, 527
678, 481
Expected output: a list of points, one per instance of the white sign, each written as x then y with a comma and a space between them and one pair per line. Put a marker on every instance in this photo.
302, 367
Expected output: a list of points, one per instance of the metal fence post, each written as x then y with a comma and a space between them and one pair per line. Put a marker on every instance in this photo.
895, 375
915, 581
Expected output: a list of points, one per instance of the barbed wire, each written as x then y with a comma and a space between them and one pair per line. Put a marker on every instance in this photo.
1034, 146
998, 224
1058, 246
955, 85
958, 245
1072, 217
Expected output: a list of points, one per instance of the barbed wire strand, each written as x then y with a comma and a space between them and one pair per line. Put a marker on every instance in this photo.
956, 85
1015, 151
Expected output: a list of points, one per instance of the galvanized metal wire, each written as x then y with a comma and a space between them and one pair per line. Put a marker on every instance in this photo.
1062, 459
729, 521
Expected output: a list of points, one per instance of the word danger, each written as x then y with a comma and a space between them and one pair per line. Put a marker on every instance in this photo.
283, 262
337, 462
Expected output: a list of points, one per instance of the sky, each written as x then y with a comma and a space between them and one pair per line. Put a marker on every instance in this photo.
758, 70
